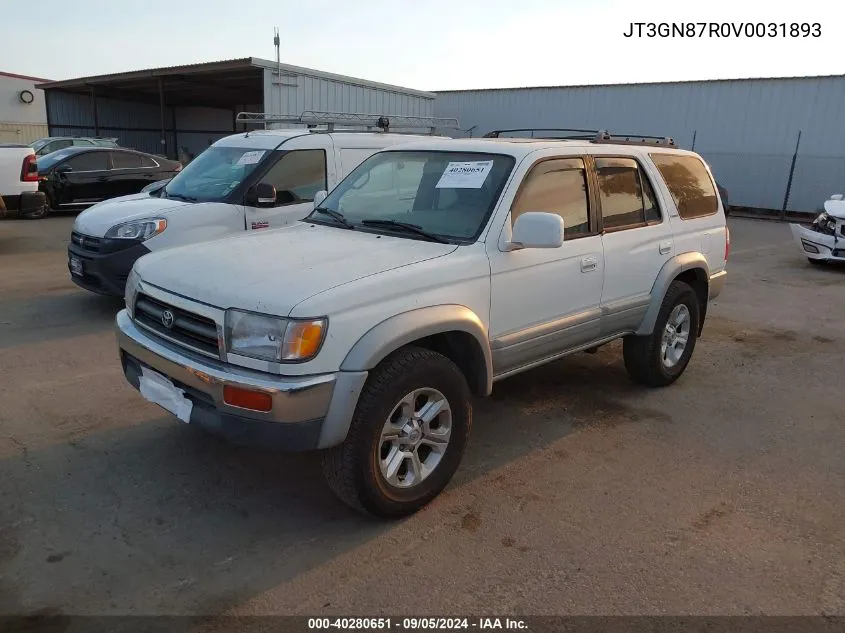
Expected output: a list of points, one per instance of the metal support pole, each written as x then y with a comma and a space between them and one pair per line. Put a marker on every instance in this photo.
694, 133
175, 155
789, 180
161, 106
94, 107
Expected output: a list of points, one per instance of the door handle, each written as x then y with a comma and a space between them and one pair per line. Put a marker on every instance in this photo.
588, 264
665, 247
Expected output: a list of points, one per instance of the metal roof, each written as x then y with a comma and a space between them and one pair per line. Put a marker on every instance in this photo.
644, 83
228, 83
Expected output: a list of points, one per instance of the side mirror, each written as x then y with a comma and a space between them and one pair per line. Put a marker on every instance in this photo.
837, 196
261, 196
319, 197
536, 229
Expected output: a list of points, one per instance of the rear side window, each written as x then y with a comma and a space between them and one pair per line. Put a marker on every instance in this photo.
125, 160
146, 161
557, 186
689, 183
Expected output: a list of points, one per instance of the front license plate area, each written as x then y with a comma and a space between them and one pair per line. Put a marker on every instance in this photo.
159, 390
76, 266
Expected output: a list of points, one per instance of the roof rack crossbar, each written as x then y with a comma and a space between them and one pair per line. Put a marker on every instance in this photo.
372, 122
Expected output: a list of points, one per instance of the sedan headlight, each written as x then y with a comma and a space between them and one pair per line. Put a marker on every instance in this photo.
131, 290
274, 339
824, 224
137, 229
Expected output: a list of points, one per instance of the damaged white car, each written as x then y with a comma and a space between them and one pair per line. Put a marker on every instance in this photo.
824, 240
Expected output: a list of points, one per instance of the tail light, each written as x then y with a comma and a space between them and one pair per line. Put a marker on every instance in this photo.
29, 169
727, 242
177, 167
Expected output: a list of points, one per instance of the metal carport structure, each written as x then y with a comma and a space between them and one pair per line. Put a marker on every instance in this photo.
178, 111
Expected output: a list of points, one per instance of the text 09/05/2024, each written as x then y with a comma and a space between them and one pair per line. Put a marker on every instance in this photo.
723, 29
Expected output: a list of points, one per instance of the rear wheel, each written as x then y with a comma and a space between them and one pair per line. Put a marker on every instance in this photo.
658, 359
407, 436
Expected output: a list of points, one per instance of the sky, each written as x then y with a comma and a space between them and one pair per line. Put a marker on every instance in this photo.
427, 45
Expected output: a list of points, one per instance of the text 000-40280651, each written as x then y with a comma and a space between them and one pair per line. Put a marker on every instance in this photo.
723, 29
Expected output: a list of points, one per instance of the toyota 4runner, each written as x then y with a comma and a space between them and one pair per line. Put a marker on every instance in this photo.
430, 272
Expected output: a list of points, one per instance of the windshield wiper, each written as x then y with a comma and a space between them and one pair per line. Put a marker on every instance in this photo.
407, 227
179, 196
337, 216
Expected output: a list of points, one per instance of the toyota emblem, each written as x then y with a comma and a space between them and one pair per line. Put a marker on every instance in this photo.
167, 319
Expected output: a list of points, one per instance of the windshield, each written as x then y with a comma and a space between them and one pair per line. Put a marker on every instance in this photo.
214, 174
447, 194
46, 162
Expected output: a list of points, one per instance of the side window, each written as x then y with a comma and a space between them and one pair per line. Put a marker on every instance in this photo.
620, 192
652, 210
557, 186
53, 146
146, 161
298, 175
125, 160
90, 161
689, 183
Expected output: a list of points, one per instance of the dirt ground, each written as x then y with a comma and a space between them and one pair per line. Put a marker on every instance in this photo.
581, 493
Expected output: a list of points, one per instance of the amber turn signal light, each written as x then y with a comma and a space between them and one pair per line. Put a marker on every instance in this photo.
247, 398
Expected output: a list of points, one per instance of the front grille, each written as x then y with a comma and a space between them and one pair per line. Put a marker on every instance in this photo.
86, 242
186, 328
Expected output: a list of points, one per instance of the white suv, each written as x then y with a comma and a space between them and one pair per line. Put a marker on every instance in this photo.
433, 270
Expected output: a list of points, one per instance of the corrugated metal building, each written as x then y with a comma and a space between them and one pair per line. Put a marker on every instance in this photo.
178, 111
748, 130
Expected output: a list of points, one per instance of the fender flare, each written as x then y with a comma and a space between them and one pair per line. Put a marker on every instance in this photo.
407, 327
670, 270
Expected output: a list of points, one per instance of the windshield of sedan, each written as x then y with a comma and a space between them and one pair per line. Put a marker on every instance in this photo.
214, 174
445, 194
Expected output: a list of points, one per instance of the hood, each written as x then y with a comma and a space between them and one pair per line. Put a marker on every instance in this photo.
96, 220
272, 271
835, 208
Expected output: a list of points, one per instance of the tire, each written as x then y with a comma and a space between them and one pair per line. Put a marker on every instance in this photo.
644, 355
40, 213
354, 469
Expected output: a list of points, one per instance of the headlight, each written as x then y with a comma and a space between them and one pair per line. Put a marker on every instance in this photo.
131, 290
272, 338
137, 229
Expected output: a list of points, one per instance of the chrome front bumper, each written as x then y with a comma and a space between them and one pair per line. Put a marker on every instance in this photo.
307, 412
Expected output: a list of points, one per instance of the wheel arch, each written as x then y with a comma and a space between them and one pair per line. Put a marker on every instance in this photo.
691, 268
452, 330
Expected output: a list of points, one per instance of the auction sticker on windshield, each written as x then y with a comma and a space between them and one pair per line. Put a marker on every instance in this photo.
465, 175
250, 158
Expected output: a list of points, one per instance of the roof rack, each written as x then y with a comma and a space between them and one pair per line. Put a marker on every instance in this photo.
594, 136
371, 122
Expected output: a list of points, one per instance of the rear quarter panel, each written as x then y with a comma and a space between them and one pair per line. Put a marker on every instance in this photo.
706, 234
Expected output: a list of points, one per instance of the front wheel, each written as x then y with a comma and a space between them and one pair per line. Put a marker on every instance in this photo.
658, 359
407, 436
